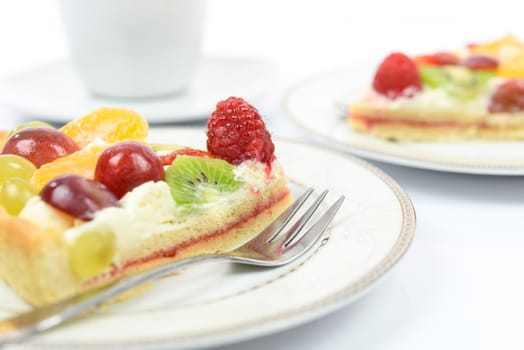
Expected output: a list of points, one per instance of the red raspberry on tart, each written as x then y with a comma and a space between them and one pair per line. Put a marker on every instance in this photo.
236, 133
397, 76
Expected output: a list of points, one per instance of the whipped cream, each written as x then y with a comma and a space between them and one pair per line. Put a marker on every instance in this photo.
40, 213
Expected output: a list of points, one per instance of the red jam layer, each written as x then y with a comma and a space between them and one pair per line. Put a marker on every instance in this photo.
172, 252
371, 121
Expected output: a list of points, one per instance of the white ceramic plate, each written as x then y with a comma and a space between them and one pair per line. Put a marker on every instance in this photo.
54, 93
319, 105
222, 303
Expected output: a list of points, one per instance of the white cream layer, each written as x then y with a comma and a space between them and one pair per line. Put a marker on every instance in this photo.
430, 104
150, 210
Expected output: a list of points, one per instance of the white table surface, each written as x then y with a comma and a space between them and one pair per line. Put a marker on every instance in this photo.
460, 286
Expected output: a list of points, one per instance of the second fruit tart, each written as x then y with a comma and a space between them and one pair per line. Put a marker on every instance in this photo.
473, 93
93, 201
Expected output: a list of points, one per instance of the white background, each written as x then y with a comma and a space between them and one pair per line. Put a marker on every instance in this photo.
302, 36
460, 286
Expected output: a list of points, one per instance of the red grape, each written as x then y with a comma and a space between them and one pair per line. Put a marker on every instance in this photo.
39, 145
508, 97
126, 165
78, 196
480, 63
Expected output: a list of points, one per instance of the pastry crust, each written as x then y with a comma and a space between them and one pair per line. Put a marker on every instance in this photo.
34, 260
415, 131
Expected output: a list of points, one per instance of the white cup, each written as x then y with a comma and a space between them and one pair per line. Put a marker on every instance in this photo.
134, 48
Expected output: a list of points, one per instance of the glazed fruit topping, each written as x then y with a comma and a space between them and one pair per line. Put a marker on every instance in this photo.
15, 166
458, 82
15, 188
508, 97
81, 163
40, 145
33, 124
169, 158
480, 63
77, 196
125, 165
14, 194
502, 48
197, 180
397, 76
512, 67
108, 124
236, 133
438, 59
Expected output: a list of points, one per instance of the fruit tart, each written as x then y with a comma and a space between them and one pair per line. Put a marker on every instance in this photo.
475, 93
93, 201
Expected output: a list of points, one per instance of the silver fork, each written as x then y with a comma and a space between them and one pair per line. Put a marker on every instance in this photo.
270, 248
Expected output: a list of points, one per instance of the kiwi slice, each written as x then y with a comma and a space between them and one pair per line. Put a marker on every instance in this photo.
197, 180
465, 83
462, 83
433, 77
459, 82
483, 76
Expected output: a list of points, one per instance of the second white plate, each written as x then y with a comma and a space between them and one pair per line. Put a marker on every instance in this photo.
319, 106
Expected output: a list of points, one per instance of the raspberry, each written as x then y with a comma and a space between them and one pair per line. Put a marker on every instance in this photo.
397, 76
236, 133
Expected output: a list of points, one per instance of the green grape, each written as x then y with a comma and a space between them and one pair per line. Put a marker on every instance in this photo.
15, 193
33, 124
92, 253
15, 166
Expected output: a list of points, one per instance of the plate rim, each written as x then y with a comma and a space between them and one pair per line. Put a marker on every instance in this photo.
384, 156
295, 317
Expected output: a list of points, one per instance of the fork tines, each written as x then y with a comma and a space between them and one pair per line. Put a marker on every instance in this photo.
297, 231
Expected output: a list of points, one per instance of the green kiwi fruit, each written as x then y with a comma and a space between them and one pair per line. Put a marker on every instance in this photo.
198, 180
458, 82
433, 77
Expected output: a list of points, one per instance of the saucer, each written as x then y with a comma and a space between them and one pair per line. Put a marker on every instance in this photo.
55, 94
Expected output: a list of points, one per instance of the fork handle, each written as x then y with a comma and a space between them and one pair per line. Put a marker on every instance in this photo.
23, 325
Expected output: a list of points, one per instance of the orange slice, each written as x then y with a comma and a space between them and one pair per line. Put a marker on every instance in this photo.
512, 68
503, 48
81, 163
109, 124
3, 136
